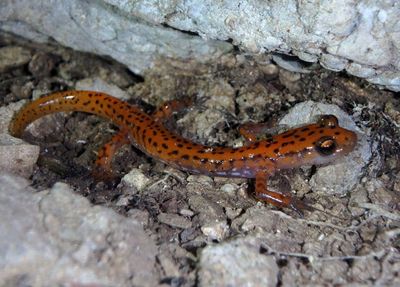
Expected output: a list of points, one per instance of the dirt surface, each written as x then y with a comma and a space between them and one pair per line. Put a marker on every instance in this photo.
359, 245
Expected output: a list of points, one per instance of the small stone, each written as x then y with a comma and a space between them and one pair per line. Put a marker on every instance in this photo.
237, 263
290, 80
174, 220
233, 212
41, 64
186, 212
135, 178
229, 188
170, 268
12, 57
270, 70
217, 230
24, 91
17, 156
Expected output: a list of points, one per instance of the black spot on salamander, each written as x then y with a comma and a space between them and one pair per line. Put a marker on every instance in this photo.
337, 133
149, 140
305, 129
195, 157
204, 160
311, 133
289, 135
109, 106
154, 132
180, 145
90, 95
256, 145
86, 103
174, 152
267, 145
97, 102
296, 136
276, 150
185, 157
221, 152
155, 144
302, 139
164, 146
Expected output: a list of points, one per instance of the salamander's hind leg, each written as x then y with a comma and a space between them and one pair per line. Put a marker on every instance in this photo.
103, 168
275, 198
169, 108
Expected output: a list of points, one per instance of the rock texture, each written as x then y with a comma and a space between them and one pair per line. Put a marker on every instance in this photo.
361, 37
56, 238
237, 263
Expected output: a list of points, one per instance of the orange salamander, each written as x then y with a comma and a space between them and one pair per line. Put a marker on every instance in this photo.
317, 143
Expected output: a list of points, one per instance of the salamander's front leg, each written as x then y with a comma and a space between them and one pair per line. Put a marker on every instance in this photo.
103, 169
167, 109
253, 132
275, 198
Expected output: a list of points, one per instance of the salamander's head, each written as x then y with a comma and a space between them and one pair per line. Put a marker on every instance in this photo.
319, 143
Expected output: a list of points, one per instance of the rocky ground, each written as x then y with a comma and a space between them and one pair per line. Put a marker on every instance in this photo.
162, 226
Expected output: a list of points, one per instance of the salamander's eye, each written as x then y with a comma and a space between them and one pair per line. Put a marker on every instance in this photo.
326, 146
328, 121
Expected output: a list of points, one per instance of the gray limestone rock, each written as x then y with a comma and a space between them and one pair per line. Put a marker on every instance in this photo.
361, 37
57, 238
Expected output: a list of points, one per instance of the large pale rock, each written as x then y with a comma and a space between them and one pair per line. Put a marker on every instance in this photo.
57, 238
361, 37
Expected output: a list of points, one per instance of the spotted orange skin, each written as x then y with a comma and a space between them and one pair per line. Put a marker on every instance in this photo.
258, 160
